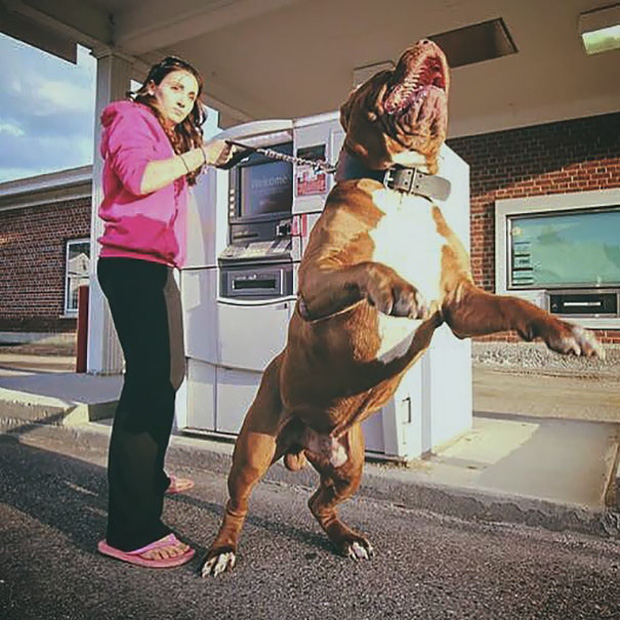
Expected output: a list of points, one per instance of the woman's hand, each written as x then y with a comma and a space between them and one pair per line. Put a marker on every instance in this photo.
160, 173
217, 152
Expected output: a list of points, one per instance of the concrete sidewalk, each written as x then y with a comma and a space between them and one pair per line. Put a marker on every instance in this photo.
64, 398
550, 472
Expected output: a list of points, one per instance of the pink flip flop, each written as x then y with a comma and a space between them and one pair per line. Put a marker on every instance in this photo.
179, 485
135, 557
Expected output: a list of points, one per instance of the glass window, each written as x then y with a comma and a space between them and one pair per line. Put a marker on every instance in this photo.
578, 248
77, 270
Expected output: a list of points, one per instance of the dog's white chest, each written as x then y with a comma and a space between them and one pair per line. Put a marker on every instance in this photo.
406, 239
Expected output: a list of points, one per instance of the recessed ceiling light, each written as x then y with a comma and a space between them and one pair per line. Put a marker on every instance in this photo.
600, 29
476, 43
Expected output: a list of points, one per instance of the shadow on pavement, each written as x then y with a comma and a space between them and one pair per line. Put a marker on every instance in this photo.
70, 495
60, 491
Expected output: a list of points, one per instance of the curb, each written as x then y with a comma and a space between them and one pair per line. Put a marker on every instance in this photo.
386, 483
36, 409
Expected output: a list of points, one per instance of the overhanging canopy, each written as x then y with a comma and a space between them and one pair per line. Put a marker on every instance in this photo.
290, 58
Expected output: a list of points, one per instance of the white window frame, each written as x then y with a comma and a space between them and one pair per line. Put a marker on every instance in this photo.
504, 209
71, 312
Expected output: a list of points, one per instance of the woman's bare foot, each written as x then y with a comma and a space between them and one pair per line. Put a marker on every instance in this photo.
171, 550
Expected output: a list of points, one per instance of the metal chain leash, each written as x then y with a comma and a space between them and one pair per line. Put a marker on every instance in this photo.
317, 164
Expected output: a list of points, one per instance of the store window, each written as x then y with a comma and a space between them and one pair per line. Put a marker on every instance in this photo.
77, 269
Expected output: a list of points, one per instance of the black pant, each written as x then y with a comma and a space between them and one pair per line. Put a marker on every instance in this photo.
146, 308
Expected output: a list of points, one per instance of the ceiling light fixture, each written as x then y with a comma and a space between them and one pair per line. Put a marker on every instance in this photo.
600, 29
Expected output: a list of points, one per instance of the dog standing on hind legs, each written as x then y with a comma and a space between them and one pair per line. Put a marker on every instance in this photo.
381, 272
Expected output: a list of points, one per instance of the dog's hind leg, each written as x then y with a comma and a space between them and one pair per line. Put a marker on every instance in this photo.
256, 448
337, 484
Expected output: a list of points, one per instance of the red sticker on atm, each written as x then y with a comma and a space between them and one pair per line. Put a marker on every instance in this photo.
310, 182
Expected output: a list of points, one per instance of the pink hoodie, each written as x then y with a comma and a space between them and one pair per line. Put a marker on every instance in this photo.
144, 226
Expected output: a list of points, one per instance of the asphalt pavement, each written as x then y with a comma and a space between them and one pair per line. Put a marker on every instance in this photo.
426, 565
519, 518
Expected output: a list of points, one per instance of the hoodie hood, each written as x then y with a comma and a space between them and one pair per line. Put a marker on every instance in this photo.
114, 111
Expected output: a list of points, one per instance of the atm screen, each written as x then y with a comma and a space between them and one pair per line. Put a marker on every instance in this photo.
265, 188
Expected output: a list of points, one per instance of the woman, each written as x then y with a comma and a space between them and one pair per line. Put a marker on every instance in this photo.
153, 150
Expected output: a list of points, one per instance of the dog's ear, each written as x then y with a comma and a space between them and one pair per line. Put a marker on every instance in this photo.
345, 113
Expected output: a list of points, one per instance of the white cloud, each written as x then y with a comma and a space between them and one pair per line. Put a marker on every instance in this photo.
11, 129
15, 86
63, 97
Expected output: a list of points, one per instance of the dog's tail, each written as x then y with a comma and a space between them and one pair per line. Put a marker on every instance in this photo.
295, 458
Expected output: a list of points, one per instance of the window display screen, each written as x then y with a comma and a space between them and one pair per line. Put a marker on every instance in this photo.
265, 188
579, 248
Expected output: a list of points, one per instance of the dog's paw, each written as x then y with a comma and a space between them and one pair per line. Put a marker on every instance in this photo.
217, 563
392, 295
357, 548
575, 340
408, 302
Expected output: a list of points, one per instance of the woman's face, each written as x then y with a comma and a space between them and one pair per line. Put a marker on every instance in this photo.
175, 95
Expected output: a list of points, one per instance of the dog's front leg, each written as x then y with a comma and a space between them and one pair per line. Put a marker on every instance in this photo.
470, 311
325, 290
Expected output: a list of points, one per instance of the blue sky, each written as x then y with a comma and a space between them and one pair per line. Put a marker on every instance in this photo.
47, 108
46, 111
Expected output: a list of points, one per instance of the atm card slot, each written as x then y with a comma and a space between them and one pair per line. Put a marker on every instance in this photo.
269, 284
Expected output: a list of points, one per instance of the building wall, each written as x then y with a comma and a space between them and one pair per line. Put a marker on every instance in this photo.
556, 158
32, 255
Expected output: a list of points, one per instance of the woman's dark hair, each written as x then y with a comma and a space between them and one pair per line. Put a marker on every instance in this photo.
188, 134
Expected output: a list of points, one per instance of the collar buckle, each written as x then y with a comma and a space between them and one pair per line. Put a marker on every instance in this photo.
414, 181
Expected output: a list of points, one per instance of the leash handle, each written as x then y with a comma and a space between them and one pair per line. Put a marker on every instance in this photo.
247, 147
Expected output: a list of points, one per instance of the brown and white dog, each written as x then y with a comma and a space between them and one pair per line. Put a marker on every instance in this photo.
381, 272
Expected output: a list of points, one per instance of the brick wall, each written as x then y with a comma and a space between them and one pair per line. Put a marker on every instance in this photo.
32, 255
555, 158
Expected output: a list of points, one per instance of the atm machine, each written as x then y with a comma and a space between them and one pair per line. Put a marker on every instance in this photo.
248, 228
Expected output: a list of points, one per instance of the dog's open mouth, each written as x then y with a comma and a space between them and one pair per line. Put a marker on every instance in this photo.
418, 90
401, 116
420, 69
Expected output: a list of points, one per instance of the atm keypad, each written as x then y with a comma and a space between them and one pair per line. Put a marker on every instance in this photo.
257, 249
